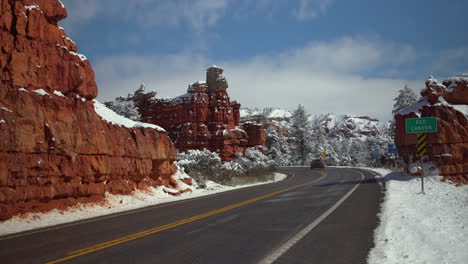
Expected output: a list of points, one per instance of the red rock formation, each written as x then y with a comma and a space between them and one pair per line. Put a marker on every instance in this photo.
204, 117
447, 148
54, 149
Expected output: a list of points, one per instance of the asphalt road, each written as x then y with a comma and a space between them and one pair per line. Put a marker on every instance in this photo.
291, 221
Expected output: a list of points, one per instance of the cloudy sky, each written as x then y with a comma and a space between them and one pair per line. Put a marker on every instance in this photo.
338, 56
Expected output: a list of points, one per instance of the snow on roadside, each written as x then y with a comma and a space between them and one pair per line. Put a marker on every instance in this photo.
417, 228
116, 204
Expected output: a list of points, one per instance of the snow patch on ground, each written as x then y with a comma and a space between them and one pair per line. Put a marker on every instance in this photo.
417, 228
118, 203
112, 117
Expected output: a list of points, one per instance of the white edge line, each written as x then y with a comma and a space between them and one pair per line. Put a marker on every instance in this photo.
292, 241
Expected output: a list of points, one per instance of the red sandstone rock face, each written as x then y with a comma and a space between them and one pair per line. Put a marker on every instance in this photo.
457, 89
448, 148
204, 117
55, 150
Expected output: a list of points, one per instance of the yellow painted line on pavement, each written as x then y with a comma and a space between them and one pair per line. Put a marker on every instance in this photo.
121, 240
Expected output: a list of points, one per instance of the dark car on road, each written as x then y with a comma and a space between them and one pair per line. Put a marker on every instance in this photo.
317, 164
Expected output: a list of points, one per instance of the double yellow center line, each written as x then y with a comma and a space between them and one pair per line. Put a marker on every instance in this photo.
121, 240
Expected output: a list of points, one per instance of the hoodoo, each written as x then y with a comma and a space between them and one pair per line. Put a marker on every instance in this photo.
204, 117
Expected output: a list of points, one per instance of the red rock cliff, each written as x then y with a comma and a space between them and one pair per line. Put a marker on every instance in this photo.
447, 148
54, 149
204, 117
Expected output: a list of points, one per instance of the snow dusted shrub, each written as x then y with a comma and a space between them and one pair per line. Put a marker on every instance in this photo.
253, 162
124, 107
201, 165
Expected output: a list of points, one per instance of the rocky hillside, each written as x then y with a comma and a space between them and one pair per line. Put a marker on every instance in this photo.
347, 126
348, 140
350, 126
56, 150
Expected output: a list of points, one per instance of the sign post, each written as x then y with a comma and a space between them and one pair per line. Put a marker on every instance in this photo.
421, 126
421, 148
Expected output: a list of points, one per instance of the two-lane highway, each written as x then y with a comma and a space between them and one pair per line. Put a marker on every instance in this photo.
307, 217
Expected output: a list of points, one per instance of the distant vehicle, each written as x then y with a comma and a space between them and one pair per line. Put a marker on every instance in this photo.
317, 164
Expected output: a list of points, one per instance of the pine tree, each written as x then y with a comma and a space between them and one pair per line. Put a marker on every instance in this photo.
358, 153
124, 107
278, 148
301, 131
318, 138
405, 97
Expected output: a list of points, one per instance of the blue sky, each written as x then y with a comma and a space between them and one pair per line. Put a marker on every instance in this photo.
337, 56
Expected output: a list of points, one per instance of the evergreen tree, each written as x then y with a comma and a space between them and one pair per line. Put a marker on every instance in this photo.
301, 132
358, 153
405, 97
278, 148
124, 107
343, 150
318, 142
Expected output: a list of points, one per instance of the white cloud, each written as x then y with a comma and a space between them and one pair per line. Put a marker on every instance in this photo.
323, 76
309, 9
449, 61
348, 54
197, 14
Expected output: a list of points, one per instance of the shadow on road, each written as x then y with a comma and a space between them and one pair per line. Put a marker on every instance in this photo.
393, 176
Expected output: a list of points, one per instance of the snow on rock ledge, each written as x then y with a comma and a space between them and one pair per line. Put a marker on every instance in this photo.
112, 117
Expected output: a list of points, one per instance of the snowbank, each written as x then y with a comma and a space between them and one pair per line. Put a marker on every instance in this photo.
116, 204
417, 228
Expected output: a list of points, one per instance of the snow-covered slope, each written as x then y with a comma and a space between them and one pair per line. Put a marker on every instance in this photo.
248, 114
348, 125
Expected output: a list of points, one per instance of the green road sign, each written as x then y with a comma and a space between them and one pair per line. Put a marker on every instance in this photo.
421, 125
